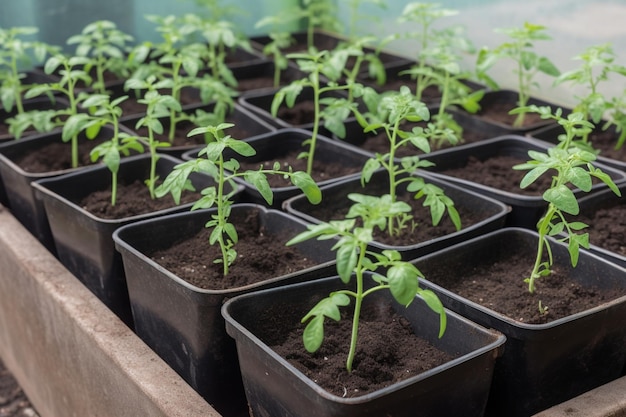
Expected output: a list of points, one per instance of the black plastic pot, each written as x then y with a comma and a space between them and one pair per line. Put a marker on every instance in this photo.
182, 322
259, 102
17, 182
508, 99
83, 241
589, 205
274, 387
247, 125
490, 212
274, 145
474, 130
542, 364
526, 210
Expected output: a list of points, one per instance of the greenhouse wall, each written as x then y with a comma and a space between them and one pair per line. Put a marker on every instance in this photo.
572, 24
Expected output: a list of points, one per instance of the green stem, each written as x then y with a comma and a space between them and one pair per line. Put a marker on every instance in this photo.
18, 96
522, 94
357, 307
543, 231
221, 214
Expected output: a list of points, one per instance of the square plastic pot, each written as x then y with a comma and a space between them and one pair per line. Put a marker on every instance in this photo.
543, 364
182, 322
526, 209
275, 387
491, 212
84, 241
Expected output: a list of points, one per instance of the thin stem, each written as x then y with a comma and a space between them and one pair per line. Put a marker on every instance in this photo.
358, 301
221, 214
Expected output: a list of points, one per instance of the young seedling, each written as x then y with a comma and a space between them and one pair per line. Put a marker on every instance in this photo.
567, 164
177, 69
424, 16
107, 47
394, 110
158, 107
335, 110
598, 65
107, 112
355, 260
72, 72
528, 63
17, 53
440, 67
211, 160
279, 42
319, 14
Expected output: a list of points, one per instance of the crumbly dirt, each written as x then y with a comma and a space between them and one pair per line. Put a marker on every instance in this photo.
387, 351
194, 259
497, 282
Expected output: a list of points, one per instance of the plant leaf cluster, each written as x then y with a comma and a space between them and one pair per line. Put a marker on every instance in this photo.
569, 166
212, 161
355, 261
519, 49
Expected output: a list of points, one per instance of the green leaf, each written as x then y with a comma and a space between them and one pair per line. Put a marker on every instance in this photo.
347, 258
309, 187
563, 198
403, 282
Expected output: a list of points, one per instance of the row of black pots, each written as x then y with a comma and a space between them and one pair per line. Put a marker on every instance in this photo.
186, 353
109, 232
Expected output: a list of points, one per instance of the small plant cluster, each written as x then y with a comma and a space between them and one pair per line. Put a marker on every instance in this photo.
211, 160
569, 165
354, 261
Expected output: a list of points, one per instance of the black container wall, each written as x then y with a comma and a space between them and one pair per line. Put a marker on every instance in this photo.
26, 207
182, 322
84, 241
489, 213
542, 364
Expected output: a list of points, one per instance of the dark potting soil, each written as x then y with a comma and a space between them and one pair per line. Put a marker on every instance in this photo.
56, 156
132, 199
387, 351
607, 227
322, 170
497, 172
260, 255
497, 282
423, 230
302, 113
605, 142
498, 112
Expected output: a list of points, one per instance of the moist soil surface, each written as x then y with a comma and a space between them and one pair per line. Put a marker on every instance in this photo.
423, 230
607, 226
132, 199
261, 254
498, 112
496, 281
387, 351
497, 172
